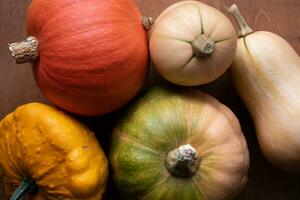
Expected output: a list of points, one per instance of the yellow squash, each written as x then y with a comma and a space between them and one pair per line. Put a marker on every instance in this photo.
266, 74
51, 155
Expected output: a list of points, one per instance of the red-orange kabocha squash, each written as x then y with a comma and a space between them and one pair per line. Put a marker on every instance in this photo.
90, 56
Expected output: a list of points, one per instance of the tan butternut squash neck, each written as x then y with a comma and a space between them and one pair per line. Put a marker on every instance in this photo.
25, 51
244, 28
203, 46
183, 161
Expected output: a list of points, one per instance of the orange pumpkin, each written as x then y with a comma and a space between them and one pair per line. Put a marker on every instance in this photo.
90, 57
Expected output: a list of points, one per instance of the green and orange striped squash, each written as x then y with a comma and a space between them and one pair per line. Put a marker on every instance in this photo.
176, 144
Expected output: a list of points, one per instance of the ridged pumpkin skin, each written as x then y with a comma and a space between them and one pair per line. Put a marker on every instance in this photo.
266, 74
164, 119
172, 48
93, 55
58, 153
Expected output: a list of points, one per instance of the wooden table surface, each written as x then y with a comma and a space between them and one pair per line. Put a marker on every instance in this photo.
17, 85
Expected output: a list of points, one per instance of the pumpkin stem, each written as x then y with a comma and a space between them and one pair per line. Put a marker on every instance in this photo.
183, 161
147, 22
25, 51
27, 185
203, 46
245, 29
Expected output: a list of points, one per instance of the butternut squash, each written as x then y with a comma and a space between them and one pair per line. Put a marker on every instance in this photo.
266, 74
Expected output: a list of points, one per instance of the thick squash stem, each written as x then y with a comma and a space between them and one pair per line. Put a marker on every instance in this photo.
26, 186
183, 161
147, 22
25, 51
203, 46
245, 29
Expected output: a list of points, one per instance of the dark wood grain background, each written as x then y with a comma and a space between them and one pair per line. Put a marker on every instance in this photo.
17, 85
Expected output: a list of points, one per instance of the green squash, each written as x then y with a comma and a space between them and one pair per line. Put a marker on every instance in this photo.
176, 144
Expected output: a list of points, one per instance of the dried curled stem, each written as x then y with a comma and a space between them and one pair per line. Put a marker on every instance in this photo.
25, 51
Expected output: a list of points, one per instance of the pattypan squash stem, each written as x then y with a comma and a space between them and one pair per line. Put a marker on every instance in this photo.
203, 46
27, 185
245, 29
25, 51
183, 161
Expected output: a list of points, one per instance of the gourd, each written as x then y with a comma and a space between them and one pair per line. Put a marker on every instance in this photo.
266, 74
90, 57
49, 155
192, 43
177, 144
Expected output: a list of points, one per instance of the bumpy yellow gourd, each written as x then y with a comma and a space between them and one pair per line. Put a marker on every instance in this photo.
60, 155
